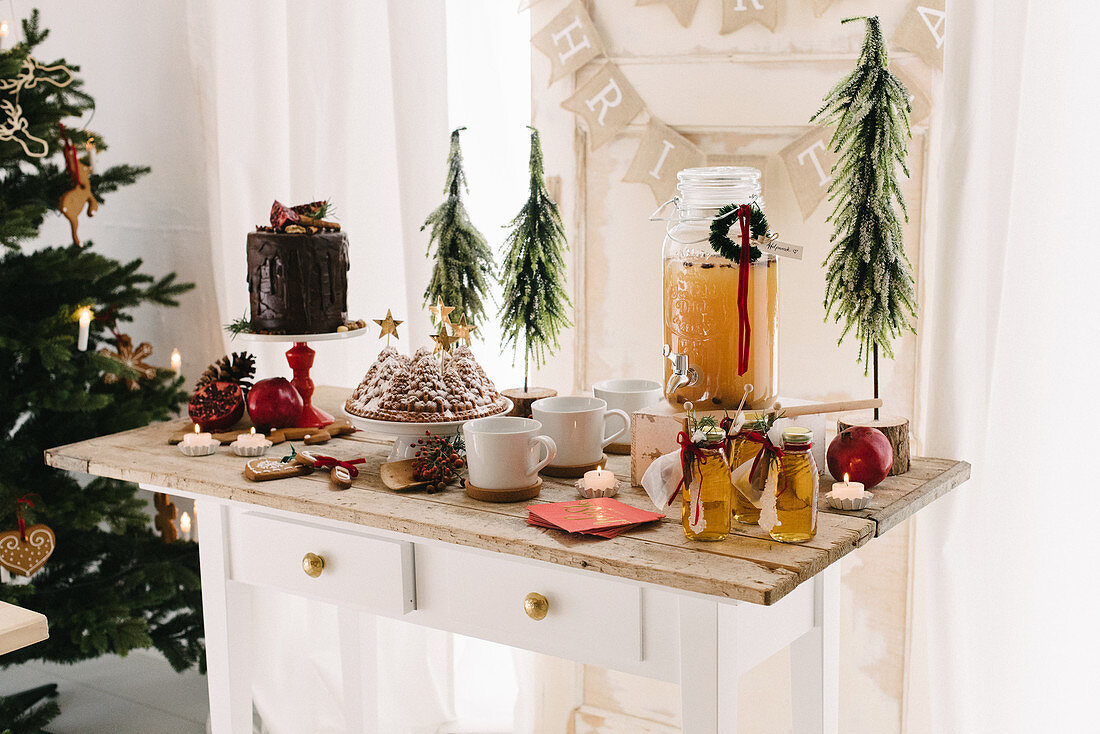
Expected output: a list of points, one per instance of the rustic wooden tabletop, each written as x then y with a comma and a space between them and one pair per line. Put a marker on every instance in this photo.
747, 566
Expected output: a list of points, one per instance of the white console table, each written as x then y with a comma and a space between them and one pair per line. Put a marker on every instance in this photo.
695, 613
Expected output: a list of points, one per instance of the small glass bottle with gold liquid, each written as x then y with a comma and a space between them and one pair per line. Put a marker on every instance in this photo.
707, 492
796, 489
745, 509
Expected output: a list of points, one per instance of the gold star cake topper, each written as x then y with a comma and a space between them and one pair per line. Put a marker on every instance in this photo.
444, 342
389, 326
441, 312
462, 330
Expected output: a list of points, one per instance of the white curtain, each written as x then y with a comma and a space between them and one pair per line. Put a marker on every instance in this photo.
1005, 637
342, 100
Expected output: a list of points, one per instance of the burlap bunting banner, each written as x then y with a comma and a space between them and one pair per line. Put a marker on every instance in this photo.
570, 41
607, 103
736, 14
809, 162
662, 154
684, 10
922, 30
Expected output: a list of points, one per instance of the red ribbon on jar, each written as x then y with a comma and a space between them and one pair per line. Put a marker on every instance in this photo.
688, 451
766, 443
744, 330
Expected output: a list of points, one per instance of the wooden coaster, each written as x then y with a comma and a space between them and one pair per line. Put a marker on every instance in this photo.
573, 472
503, 495
622, 449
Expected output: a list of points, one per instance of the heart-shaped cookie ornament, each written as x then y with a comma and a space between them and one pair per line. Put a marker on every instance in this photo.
25, 557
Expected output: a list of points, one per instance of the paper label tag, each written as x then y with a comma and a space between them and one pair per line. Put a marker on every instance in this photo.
782, 249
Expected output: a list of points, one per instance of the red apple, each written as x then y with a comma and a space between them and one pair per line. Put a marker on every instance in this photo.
274, 403
863, 453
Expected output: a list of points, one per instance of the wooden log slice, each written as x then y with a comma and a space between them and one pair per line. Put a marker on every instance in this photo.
521, 399
893, 427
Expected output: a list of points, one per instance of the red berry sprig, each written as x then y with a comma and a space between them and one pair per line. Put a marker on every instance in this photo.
438, 460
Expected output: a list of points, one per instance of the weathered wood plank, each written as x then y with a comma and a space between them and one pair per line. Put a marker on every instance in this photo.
747, 566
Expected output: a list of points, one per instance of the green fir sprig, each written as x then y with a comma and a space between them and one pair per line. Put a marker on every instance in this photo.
535, 302
463, 266
869, 280
243, 325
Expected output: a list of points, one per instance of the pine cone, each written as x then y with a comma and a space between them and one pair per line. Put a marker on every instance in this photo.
239, 369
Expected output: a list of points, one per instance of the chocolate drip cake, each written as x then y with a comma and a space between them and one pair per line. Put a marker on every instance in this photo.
297, 274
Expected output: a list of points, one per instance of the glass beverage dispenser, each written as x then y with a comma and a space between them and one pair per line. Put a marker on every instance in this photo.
714, 350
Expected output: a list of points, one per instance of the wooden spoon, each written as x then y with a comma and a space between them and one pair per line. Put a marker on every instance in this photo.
398, 475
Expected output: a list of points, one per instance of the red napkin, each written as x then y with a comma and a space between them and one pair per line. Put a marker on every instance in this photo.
601, 516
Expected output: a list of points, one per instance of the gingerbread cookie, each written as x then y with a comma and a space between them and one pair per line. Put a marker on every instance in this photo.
341, 427
262, 469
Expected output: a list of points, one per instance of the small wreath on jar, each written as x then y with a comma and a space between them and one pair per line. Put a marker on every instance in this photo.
725, 232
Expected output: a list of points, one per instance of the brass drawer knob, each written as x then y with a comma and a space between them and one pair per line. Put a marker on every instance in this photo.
313, 564
536, 605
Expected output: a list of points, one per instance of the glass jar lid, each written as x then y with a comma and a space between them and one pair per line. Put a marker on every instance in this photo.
717, 186
797, 435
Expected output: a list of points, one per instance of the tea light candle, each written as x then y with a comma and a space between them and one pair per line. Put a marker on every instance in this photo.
599, 479
177, 361
847, 490
85, 318
250, 444
185, 526
198, 443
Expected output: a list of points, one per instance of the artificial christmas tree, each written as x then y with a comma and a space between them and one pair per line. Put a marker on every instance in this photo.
463, 261
111, 584
535, 300
869, 279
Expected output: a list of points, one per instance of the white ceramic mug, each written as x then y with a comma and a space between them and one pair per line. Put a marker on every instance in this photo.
578, 425
502, 452
629, 395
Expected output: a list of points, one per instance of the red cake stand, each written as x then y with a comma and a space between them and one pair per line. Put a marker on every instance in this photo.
300, 358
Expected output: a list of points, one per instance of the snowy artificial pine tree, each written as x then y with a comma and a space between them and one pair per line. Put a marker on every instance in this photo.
535, 300
463, 260
869, 279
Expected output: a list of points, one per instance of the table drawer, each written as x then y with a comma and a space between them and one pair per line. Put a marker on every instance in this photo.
359, 570
590, 618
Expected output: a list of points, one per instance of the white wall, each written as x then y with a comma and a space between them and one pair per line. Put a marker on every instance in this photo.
134, 62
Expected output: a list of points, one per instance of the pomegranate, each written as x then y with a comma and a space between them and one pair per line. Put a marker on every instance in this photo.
274, 403
216, 405
863, 453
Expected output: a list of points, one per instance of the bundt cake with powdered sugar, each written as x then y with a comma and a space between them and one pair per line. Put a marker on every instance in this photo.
421, 390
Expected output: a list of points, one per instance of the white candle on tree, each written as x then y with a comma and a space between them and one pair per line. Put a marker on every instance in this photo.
84, 316
177, 361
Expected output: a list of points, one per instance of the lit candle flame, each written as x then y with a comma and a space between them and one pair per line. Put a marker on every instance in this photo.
177, 361
3, 28
185, 523
252, 430
85, 315
198, 429
845, 477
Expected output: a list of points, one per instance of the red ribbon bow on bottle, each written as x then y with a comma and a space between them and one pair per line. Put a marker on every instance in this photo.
744, 330
766, 443
688, 452
322, 462
19, 504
